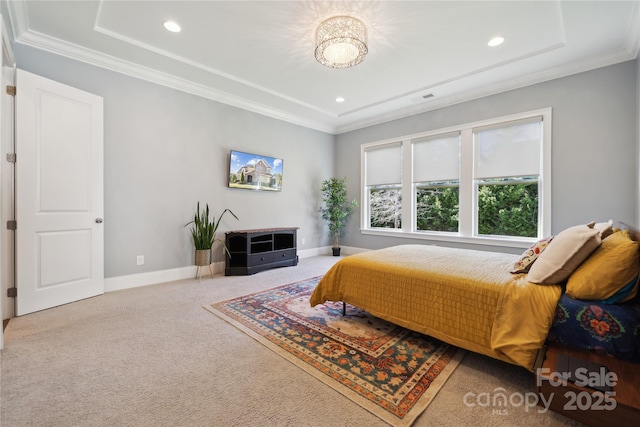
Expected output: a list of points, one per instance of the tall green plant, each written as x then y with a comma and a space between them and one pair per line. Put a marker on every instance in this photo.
336, 209
204, 230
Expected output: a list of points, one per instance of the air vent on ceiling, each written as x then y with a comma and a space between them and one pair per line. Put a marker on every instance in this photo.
422, 98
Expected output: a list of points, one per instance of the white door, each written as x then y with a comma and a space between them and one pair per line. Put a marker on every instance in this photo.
59, 200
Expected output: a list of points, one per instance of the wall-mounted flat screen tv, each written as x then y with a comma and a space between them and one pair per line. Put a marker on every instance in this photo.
254, 172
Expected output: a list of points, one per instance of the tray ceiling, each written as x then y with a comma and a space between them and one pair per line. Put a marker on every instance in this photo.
258, 55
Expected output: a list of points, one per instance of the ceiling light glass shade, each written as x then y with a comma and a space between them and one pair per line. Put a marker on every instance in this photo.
341, 42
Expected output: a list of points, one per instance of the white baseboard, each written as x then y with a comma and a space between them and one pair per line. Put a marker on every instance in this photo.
352, 250
149, 278
326, 250
308, 253
161, 276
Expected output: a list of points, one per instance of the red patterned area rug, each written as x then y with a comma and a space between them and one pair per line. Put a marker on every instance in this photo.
389, 370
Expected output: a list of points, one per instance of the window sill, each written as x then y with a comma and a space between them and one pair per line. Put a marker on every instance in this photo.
513, 242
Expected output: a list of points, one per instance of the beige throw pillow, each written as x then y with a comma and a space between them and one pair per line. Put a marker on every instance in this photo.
564, 254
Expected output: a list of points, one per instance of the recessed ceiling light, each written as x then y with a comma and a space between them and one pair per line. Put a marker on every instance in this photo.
172, 26
339, 99
496, 41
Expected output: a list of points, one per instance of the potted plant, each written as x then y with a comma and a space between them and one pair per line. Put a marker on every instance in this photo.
204, 231
336, 209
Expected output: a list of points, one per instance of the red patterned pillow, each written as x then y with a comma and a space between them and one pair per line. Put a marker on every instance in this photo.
529, 256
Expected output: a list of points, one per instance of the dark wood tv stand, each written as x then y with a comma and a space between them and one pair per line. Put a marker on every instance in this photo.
253, 251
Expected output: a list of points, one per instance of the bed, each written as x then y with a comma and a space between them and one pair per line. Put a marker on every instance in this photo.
569, 301
503, 305
466, 298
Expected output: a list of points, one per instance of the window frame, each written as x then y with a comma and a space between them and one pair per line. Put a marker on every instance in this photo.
467, 232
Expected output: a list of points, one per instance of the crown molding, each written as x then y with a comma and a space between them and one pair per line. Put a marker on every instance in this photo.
82, 54
7, 50
18, 17
21, 34
632, 42
200, 66
626, 54
59, 47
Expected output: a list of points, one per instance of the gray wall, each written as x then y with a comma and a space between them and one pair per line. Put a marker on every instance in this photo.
594, 138
164, 150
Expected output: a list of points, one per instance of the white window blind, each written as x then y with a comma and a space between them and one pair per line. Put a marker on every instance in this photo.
508, 150
384, 165
436, 158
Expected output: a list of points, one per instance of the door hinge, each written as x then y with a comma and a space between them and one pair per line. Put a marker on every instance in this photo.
12, 292
11, 157
11, 90
12, 224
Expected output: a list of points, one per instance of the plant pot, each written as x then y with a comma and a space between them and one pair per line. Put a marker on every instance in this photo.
203, 257
336, 251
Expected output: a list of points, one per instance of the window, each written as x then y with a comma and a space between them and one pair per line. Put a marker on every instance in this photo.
437, 205
508, 207
484, 182
436, 182
383, 188
386, 206
507, 172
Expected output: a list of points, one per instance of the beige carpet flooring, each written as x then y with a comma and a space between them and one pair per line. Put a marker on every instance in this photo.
153, 356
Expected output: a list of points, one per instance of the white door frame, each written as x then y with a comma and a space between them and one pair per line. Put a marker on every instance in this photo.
7, 109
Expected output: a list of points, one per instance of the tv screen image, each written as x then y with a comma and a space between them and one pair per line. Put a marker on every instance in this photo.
254, 171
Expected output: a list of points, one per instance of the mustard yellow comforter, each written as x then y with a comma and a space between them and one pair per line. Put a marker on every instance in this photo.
464, 297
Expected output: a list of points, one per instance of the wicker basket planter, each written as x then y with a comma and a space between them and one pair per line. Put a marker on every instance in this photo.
203, 257
203, 231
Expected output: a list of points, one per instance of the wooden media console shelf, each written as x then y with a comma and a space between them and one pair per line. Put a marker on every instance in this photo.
253, 251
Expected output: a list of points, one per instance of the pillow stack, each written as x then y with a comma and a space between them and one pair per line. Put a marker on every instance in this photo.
596, 262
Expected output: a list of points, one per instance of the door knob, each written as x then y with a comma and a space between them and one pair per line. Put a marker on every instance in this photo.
99, 220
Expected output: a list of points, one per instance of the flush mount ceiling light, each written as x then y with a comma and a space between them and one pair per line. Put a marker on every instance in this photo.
341, 42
